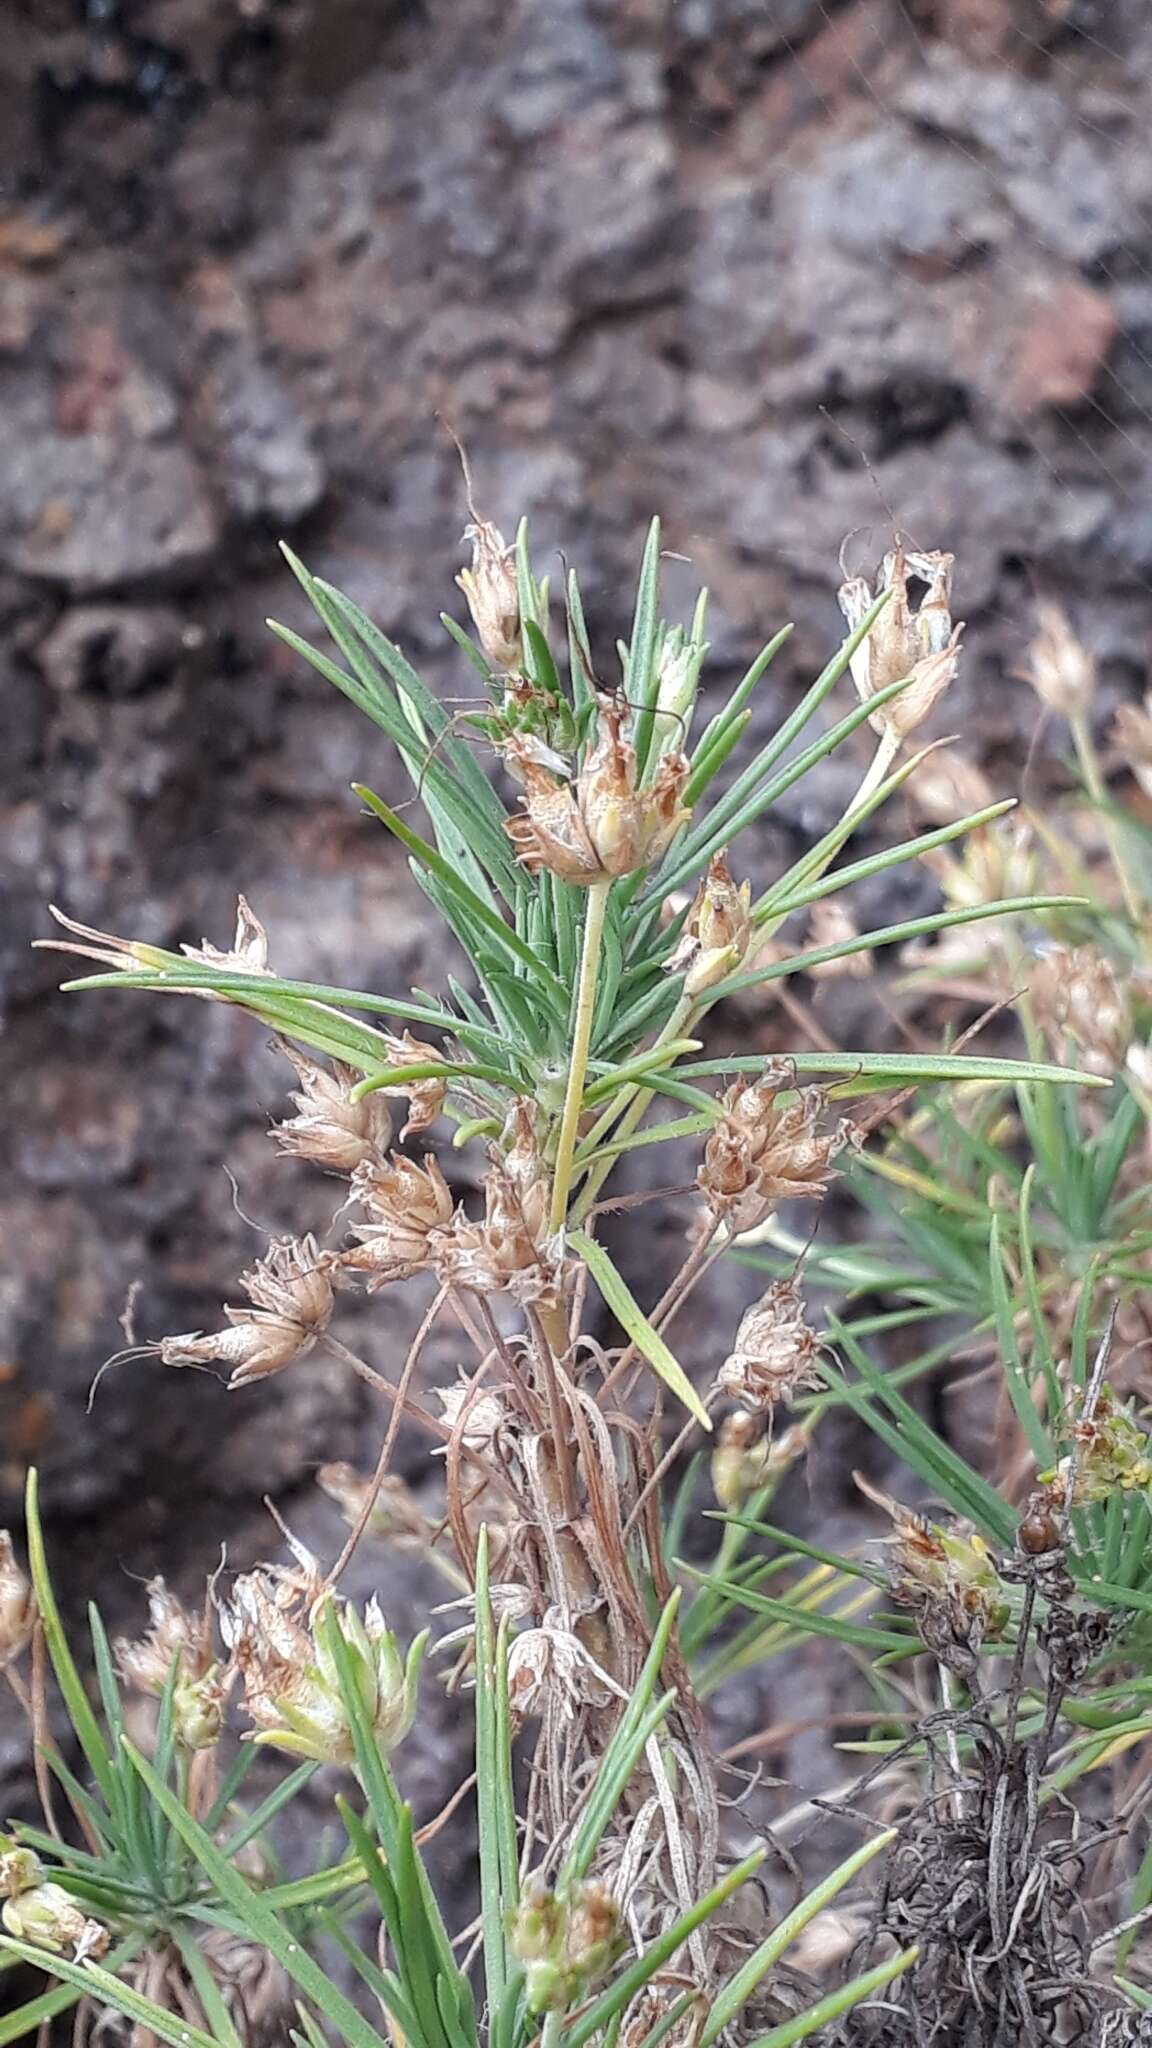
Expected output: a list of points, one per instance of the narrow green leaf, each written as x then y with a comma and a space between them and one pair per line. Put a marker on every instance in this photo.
620, 1993
101, 1985
837, 2002
641, 676
635, 1324
263, 1924
738, 1990
56, 1642
429, 857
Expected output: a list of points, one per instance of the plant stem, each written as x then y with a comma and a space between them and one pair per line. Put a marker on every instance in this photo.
681, 1017
581, 1043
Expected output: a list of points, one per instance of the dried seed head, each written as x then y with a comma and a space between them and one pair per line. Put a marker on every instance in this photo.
274, 1627
567, 1941
292, 1291
1132, 736
395, 1514
606, 824
484, 1410
48, 1917
17, 1604
510, 1250
1061, 671
774, 1352
551, 1664
946, 786
425, 1098
919, 643
331, 1128
716, 931
746, 1459
493, 594
409, 1206
184, 1640
248, 953
830, 924
767, 1149
1076, 994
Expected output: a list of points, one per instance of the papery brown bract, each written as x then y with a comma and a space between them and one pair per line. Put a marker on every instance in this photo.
291, 1288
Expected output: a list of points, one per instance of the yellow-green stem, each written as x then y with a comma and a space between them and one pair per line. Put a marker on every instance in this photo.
581, 1042
682, 1016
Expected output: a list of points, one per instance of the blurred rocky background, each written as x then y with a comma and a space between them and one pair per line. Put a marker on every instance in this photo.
780, 270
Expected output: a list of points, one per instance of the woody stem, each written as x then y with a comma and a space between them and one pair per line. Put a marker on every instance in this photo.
581, 1043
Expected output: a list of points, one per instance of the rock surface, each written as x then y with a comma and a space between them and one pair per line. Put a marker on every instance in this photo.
779, 272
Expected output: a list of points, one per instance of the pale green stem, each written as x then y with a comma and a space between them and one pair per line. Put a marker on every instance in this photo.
581, 1044
1094, 783
682, 1016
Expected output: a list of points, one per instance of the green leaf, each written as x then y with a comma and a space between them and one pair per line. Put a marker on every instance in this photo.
430, 858
68, 1678
621, 1993
896, 1069
101, 1985
495, 1801
837, 2002
635, 1324
641, 674
624, 1751
738, 1990
264, 1925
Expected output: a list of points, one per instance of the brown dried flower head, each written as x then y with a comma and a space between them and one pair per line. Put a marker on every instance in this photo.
604, 825
184, 1640
1076, 994
550, 1663
1061, 670
408, 1206
483, 1409
493, 594
774, 1352
716, 932
425, 1098
248, 953
920, 643
510, 1250
17, 1604
291, 1288
768, 1148
331, 1128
